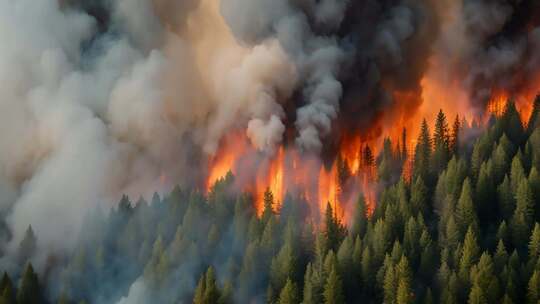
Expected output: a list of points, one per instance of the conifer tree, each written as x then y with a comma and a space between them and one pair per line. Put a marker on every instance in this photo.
198, 298
29, 291
158, 266
422, 153
469, 256
27, 247
534, 182
334, 230
313, 286
534, 245
419, 196
512, 123
7, 292
485, 194
404, 292
534, 120
226, 296
289, 294
333, 289
441, 139
359, 223
268, 203
523, 215
455, 136
465, 210
501, 256
476, 296
390, 285
517, 173
343, 173
404, 151
533, 290
506, 199
484, 276
367, 267
211, 292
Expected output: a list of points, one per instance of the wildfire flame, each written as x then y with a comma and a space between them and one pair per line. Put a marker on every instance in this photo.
289, 171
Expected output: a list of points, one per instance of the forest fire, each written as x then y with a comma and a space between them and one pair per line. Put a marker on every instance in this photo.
350, 173
288, 171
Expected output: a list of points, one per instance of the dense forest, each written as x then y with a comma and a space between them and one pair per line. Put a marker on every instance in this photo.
461, 227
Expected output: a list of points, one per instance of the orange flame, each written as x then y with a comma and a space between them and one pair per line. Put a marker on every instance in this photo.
289, 171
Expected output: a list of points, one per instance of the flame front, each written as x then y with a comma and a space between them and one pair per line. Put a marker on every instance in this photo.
352, 171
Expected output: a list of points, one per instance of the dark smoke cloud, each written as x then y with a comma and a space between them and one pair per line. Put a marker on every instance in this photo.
492, 45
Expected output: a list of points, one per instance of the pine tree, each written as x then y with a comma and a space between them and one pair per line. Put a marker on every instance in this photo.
419, 196
523, 215
7, 292
506, 199
268, 203
501, 256
485, 278
469, 256
455, 137
534, 182
422, 153
226, 296
484, 194
333, 289
29, 290
441, 141
533, 291
313, 286
481, 150
343, 173
158, 266
211, 292
359, 223
390, 285
334, 230
404, 152
367, 267
500, 163
512, 123
269, 238
27, 247
284, 265
517, 173
404, 292
368, 159
534, 119
198, 298
534, 245
289, 294
465, 211
476, 296
453, 236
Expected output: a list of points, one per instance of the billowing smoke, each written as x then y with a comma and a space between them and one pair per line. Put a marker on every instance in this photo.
490, 46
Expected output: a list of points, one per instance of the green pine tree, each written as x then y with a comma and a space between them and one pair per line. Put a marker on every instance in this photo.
523, 215
333, 289
29, 290
289, 293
